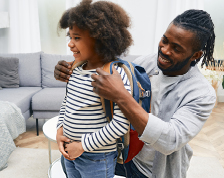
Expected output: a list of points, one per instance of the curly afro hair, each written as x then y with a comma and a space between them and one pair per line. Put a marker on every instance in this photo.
106, 22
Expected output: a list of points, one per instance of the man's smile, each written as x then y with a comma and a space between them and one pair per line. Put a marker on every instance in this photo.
164, 60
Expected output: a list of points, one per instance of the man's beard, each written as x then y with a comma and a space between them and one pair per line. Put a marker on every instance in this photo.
176, 67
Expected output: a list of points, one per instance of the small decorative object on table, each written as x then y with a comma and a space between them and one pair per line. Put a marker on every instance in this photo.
214, 74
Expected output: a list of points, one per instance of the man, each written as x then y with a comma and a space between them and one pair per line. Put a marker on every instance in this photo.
182, 99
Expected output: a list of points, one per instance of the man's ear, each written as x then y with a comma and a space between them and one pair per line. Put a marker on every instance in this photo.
197, 55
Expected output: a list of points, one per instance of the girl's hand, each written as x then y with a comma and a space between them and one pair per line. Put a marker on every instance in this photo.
74, 149
61, 139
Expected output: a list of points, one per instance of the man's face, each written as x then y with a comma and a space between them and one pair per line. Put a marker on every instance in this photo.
175, 52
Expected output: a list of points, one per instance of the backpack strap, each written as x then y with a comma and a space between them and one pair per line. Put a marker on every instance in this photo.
108, 106
139, 85
77, 63
129, 74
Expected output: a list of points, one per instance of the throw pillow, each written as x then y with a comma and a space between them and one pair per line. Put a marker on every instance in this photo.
29, 68
9, 76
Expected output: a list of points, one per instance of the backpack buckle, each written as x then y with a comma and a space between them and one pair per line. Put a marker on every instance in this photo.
120, 146
145, 94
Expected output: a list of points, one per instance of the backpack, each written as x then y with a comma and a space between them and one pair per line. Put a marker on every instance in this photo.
129, 145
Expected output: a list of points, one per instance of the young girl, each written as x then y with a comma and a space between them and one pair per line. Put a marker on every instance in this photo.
98, 33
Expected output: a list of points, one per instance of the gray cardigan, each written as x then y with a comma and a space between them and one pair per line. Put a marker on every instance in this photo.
183, 110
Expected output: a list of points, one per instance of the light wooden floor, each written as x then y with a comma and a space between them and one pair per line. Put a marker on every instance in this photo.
208, 143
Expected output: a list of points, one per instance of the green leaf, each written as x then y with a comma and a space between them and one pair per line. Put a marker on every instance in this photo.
223, 82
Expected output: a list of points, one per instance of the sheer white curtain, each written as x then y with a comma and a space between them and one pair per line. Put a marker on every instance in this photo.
69, 4
150, 19
23, 35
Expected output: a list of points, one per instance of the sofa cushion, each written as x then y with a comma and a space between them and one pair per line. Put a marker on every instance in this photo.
29, 68
48, 99
48, 62
9, 76
20, 96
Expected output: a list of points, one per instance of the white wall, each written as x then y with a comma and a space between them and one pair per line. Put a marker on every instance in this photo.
23, 34
143, 17
150, 20
50, 12
4, 31
216, 9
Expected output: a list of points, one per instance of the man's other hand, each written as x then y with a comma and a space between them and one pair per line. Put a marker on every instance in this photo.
63, 71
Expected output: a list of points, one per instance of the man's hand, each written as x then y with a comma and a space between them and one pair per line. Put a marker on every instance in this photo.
112, 88
108, 86
61, 140
62, 71
74, 149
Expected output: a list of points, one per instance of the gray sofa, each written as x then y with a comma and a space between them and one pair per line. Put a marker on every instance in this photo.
38, 93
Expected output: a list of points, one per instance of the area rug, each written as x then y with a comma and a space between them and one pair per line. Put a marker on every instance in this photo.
205, 167
28, 163
34, 163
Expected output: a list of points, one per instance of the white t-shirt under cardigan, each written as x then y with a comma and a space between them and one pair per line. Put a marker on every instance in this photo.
82, 115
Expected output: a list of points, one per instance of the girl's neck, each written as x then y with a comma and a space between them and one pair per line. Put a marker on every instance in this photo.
93, 65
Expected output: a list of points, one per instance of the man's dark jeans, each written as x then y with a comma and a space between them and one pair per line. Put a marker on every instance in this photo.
128, 170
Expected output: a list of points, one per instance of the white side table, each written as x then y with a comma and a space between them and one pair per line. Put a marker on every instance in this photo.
49, 130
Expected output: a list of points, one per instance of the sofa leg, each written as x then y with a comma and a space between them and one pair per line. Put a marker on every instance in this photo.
37, 127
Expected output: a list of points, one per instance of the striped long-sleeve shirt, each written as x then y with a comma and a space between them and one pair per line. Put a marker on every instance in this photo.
82, 115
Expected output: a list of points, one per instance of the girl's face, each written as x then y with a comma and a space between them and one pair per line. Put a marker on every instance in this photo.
82, 45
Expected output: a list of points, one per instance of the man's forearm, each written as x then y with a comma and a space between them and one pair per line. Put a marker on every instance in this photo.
132, 111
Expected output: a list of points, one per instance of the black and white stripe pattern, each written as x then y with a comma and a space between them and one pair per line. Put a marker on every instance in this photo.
83, 118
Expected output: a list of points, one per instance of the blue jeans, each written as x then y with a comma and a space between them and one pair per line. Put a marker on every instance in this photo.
95, 165
128, 170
